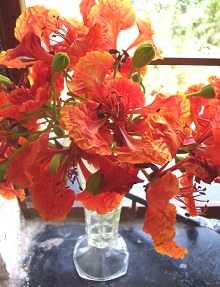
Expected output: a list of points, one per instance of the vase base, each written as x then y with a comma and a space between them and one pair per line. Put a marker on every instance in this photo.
100, 264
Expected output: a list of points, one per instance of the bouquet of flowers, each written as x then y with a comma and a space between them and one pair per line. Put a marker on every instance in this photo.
82, 103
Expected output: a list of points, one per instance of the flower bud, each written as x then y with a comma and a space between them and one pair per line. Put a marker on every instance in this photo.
206, 92
60, 62
143, 55
4, 80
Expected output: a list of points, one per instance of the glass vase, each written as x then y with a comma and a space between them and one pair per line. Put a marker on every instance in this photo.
101, 254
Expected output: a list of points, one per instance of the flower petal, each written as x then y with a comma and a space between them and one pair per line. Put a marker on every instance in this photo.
86, 130
90, 73
101, 203
15, 63
52, 202
145, 33
30, 46
161, 215
36, 19
115, 16
8, 192
85, 7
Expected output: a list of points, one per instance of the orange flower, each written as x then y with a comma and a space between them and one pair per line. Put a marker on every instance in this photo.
49, 191
115, 16
161, 136
161, 215
101, 203
215, 82
85, 128
30, 46
90, 75
211, 153
9, 192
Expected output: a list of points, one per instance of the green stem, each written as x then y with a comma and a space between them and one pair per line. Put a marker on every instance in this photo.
116, 65
131, 72
20, 149
54, 97
76, 96
35, 112
67, 74
139, 75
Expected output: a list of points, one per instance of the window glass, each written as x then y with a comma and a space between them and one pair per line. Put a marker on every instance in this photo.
184, 27
67, 8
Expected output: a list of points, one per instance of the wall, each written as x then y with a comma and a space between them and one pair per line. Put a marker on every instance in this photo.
10, 237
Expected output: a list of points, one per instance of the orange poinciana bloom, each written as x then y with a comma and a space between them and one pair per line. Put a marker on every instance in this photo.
161, 215
48, 189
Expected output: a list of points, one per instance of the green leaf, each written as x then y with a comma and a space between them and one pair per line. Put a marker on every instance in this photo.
56, 162
94, 183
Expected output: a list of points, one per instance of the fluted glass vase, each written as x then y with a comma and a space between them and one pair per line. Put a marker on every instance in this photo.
101, 254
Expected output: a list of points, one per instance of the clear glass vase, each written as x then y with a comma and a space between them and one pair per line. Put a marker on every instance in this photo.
101, 254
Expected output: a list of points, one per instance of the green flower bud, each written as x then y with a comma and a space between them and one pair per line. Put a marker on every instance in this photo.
143, 55
138, 79
60, 62
4, 80
206, 92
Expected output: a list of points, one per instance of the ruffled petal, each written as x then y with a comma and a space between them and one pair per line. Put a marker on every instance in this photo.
85, 7
8, 192
115, 16
90, 73
101, 203
52, 202
40, 21
145, 33
161, 215
86, 129
14, 63
162, 136
30, 46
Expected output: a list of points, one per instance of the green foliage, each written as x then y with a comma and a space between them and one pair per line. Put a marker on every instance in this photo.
183, 28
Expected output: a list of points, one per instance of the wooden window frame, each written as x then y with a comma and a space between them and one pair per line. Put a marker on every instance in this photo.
9, 12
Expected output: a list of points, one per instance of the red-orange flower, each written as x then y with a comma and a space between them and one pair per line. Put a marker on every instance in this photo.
49, 191
101, 203
115, 16
9, 192
161, 215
